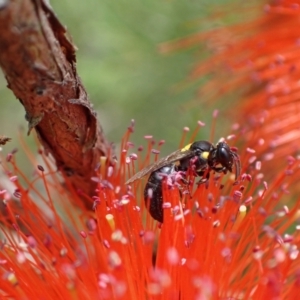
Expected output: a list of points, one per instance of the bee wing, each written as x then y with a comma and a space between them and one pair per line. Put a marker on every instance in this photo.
175, 156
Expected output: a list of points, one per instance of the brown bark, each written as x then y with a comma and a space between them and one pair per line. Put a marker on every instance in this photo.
38, 61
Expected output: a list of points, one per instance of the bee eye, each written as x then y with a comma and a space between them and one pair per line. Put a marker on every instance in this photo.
224, 156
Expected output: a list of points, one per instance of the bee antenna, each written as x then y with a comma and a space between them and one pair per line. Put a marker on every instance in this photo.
237, 165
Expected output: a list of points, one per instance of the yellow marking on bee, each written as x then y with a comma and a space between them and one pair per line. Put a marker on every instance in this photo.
205, 154
185, 148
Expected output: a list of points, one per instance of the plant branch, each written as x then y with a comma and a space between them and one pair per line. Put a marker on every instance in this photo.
38, 61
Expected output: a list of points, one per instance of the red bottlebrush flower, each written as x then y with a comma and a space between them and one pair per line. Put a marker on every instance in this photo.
256, 62
220, 241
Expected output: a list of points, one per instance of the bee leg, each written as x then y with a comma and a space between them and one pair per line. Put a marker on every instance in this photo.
184, 181
183, 190
220, 170
204, 179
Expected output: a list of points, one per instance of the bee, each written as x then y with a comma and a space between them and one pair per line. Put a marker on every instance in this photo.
201, 157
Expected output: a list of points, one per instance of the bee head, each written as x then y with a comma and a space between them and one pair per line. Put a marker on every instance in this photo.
224, 156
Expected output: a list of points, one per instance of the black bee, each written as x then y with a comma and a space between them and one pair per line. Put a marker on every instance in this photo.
201, 156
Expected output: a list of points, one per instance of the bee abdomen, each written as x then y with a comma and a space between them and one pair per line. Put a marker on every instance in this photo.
153, 194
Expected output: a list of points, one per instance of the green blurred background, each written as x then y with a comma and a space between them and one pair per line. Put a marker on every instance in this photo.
124, 73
